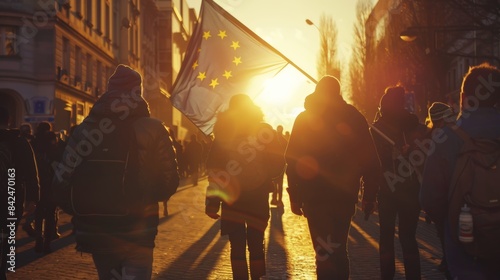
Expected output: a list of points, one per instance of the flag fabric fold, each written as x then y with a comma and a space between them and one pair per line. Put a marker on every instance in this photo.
223, 58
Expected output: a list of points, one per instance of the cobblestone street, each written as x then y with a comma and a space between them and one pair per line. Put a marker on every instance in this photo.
189, 246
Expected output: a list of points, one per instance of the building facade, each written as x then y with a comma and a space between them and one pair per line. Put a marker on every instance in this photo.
56, 56
446, 39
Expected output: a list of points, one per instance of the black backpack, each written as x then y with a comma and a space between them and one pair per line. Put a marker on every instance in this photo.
476, 182
105, 182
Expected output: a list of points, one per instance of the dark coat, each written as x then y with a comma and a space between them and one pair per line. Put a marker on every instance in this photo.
330, 150
157, 174
244, 187
401, 174
26, 174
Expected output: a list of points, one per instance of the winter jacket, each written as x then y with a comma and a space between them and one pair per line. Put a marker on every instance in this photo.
26, 173
330, 150
157, 174
437, 178
401, 166
241, 164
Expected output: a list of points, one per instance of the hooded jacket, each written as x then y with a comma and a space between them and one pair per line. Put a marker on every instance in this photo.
123, 105
330, 150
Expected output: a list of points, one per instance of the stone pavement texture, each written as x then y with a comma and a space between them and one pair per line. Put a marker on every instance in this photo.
189, 246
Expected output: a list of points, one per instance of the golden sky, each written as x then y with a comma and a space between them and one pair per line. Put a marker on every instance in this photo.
282, 24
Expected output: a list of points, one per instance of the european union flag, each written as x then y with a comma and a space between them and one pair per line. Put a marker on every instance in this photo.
223, 58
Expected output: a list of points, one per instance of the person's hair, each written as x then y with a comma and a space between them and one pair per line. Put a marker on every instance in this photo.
43, 127
4, 116
393, 100
480, 87
25, 128
242, 116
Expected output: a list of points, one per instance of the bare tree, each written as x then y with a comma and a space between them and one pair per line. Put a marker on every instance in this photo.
359, 94
327, 63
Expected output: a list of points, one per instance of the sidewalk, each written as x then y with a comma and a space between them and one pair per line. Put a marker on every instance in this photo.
189, 246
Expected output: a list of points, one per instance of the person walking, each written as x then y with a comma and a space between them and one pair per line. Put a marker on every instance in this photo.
277, 198
45, 149
241, 164
479, 118
440, 115
394, 134
29, 219
194, 156
330, 150
117, 222
18, 166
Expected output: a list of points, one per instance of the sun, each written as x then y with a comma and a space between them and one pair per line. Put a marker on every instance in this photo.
283, 97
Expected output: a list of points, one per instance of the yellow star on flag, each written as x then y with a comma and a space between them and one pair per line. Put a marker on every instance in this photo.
214, 83
235, 44
201, 76
237, 60
222, 34
195, 64
206, 35
227, 74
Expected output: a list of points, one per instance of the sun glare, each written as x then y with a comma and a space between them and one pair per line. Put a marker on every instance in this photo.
283, 97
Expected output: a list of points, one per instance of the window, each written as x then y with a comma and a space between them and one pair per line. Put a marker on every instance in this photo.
99, 75
107, 22
98, 17
66, 55
8, 43
116, 22
88, 12
78, 8
78, 64
90, 72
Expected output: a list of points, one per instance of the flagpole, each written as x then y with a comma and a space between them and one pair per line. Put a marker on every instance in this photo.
240, 25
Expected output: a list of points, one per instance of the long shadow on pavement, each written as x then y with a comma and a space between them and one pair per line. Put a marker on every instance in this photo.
276, 258
30, 255
182, 267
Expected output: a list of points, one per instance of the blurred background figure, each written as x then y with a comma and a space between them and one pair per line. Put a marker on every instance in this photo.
193, 156
45, 147
277, 198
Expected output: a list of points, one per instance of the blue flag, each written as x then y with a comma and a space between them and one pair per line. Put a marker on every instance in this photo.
223, 58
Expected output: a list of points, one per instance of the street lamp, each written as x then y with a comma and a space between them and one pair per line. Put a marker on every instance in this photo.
408, 35
411, 34
322, 40
309, 22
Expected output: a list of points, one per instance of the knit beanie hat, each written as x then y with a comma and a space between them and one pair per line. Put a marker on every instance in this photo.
439, 111
125, 78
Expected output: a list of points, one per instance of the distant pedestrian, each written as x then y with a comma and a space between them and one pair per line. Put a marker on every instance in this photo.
113, 192
29, 219
394, 134
46, 153
446, 169
193, 154
440, 115
18, 166
277, 198
329, 152
241, 164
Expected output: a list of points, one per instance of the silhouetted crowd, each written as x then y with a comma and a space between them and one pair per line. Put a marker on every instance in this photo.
111, 171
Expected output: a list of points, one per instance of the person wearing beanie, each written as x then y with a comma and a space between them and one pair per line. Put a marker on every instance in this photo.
478, 120
329, 151
395, 134
121, 243
440, 113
